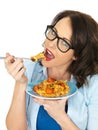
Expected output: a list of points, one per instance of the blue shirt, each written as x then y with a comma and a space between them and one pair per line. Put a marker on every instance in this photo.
82, 107
45, 122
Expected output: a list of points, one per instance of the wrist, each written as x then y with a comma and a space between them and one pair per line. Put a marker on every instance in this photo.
66, 123
21, 85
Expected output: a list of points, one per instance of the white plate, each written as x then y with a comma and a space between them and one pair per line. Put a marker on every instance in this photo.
29, 90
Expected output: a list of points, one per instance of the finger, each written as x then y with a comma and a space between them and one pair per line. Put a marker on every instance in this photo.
17, 68
7, 54
12, 66
20, 74
40, 101
9, 59
62, 100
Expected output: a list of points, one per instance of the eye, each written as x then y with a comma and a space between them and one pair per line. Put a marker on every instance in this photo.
51, 33
64, 43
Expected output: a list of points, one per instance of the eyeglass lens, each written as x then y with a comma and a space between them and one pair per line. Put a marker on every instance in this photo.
52, 35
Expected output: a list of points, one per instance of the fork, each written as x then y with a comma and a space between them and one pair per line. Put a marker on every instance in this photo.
35, 58
2, 57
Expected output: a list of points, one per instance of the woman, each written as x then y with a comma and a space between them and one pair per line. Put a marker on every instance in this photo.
71, 53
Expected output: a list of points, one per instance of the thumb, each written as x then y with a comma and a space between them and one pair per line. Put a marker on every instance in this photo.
7, 54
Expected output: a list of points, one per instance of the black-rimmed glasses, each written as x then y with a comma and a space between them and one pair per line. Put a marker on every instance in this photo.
62, 44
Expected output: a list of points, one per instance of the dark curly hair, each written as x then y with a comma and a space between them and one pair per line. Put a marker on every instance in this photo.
85, 42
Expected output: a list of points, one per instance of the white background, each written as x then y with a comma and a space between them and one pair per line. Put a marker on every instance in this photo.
22, 26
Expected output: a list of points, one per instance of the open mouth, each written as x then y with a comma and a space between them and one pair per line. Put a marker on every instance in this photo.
49, 55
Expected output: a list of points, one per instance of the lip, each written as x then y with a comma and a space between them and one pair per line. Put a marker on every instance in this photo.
49, 55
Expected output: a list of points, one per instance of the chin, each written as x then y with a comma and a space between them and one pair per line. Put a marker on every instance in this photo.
46, 63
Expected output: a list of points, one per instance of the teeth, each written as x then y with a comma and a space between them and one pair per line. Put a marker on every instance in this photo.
49, 52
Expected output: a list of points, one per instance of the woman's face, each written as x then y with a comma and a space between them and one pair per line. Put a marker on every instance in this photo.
54, 57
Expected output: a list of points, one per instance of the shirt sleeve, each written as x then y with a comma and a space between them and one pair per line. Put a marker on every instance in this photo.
93, 104
29, 65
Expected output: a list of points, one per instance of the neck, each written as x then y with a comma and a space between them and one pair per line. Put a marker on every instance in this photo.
59, 74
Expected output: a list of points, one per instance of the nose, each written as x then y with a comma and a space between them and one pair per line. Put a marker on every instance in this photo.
50, 44
43, 44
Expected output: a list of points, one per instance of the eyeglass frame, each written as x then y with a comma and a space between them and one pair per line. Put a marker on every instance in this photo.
56, 36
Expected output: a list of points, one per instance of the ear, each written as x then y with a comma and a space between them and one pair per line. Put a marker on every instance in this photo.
74, 58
